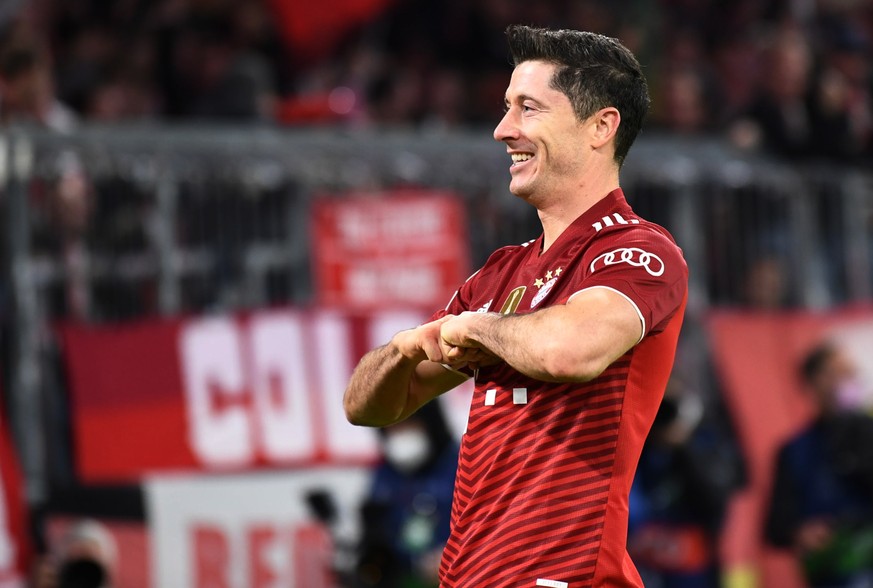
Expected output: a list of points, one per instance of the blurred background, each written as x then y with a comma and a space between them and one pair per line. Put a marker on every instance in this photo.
212, 208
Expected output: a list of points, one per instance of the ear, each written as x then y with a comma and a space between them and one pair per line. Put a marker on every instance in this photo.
605, 122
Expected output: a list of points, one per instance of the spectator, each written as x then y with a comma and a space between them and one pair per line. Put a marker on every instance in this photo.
688, 469
799, 112
27, 90
213, 78
844, 88
406, 517
85, 558
682, 105
779, 113
822, 500
766, 284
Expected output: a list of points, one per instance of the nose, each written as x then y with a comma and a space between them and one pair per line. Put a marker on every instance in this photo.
506, 129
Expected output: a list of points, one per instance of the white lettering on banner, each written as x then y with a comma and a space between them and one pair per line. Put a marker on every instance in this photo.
281, 393
212, 371
292, 555
394, 224
632, 256
369, 284
249, 390
249, 530
330, 345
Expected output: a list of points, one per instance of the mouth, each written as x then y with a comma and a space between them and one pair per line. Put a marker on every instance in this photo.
520, 158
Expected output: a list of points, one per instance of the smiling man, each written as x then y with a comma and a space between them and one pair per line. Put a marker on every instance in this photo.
570, 370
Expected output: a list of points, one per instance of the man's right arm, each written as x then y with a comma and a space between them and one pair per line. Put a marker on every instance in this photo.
393, 381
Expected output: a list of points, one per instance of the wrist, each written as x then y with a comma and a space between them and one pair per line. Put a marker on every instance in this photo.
480, 330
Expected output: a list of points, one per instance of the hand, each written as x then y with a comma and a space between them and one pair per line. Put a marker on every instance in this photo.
45, 572
423, 342
428, 565
469, 357
459, 347
813, 535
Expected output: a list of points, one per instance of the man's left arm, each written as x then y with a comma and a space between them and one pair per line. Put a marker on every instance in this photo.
629, 284
569, 342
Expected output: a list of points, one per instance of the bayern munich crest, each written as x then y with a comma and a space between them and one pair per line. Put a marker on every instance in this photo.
547, 287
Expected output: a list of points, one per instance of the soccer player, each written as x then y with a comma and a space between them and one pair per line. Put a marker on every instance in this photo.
570, 337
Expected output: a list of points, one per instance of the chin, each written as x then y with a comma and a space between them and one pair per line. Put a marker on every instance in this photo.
524, 192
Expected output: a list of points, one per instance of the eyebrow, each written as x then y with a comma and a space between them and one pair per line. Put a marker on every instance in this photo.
523, 98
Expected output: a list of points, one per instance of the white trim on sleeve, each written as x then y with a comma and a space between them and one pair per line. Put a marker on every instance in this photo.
626, 297
454, 371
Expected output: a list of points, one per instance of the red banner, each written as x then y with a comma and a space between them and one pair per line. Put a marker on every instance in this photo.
223, 393
15, 548
382, 250
218, 393
757, 356
311, 29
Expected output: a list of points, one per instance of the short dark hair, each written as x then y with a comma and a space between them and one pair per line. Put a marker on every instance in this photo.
594, 71
815, 361
17, 61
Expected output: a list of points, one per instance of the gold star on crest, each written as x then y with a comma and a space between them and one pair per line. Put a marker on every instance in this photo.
549, 275
539, 282
558, 271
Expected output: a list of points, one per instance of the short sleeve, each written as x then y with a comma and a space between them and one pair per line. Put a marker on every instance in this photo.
642, 264
459, 301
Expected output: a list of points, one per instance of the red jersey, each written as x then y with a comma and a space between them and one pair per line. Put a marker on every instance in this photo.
541, 493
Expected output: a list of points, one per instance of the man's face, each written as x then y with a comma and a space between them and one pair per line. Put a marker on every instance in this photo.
547, 143
838, 371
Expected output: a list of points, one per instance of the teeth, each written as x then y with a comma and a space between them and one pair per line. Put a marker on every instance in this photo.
519, 157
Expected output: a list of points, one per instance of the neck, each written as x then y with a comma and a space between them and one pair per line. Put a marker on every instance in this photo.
559, 212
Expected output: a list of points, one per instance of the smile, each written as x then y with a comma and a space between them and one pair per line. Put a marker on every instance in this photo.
520, 157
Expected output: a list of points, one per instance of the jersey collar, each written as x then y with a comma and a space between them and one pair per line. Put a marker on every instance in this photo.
603, 209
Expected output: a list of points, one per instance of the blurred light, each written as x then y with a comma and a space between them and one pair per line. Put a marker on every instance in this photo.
341, 100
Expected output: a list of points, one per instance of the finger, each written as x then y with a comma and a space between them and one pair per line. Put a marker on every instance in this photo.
432, 350
456, 353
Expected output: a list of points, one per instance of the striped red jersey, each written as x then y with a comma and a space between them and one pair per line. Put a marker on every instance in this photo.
541, 493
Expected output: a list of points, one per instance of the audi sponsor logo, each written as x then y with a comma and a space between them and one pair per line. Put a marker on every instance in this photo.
631, 256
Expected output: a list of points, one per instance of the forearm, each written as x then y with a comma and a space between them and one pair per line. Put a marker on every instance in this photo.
393, 381
564, 343
529, 343
378, 393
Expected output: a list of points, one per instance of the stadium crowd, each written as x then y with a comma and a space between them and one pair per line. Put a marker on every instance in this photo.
791, 76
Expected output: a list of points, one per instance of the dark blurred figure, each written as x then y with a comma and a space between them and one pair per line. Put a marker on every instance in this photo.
779, 116
796, 113
689, 468
766, 284
27, 87
85, 558
845, 85
63, 200
209, 69
406, 516
822, 502
682, 103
